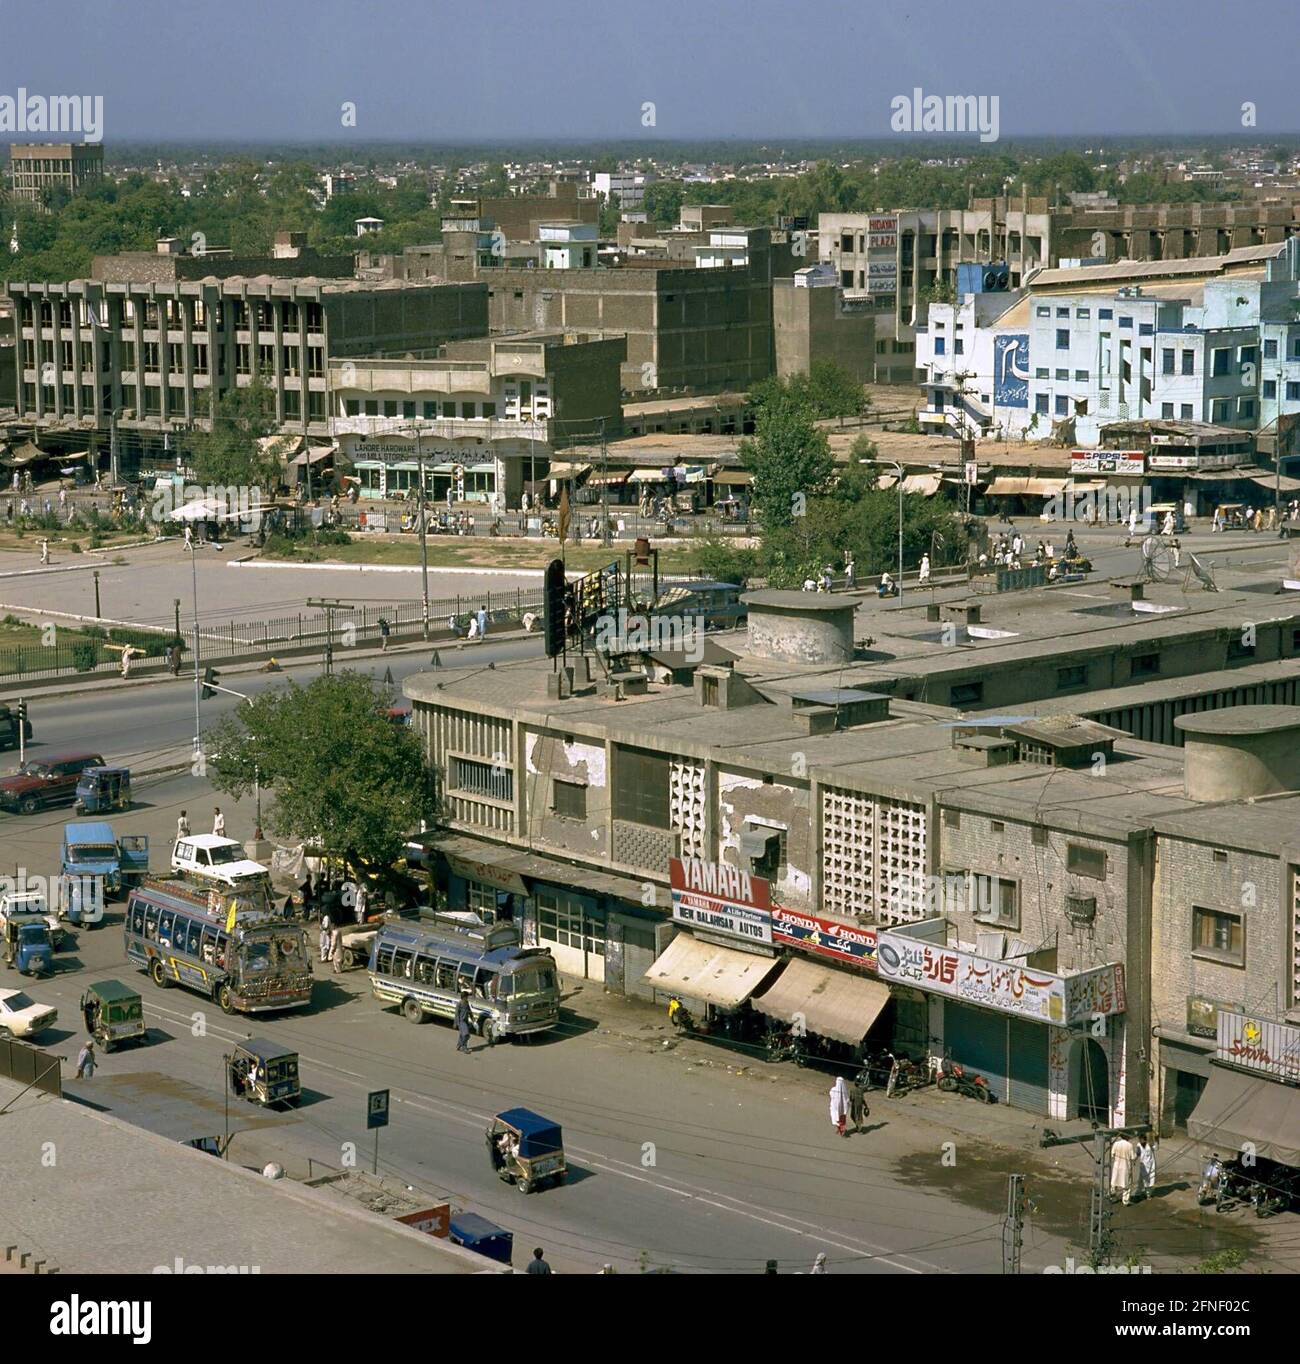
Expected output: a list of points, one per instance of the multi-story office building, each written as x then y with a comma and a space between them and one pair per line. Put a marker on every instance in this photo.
37, 168
159, 352
483, 418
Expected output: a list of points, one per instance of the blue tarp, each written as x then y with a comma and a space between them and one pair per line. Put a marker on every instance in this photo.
538, 1136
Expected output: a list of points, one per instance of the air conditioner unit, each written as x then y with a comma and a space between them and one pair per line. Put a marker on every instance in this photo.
1081, 909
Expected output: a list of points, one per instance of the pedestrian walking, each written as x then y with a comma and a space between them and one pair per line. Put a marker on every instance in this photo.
182, 826
1217, 523
63, 498
1122, 1155
537, 1265
1132, 522
218, 822
127, 655
45, 551
361, 904
324, 938
924, 576
850, 573
463, 1017
839, 1105
174, 659
482, 618
858, 1109
1177, 549
383, 634
86, 1060
819, 1264
1146, 1165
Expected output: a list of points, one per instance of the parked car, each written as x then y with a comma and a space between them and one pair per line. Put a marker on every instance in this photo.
41, 782
9, 728
22, 1016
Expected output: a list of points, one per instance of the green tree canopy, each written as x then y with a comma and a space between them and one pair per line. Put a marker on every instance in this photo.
788, 455
230, 455
341, 773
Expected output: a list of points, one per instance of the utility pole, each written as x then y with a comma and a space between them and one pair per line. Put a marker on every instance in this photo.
1100, 1241
95, 574
112, 448
329, 607
1013, 1224
424, 543
604, 487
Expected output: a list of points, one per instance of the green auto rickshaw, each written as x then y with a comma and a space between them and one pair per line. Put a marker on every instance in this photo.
113, 1013
264, 1072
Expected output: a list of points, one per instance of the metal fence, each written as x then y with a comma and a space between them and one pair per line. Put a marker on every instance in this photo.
31, 1066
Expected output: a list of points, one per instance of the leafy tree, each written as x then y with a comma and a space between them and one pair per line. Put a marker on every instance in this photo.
230, 454
720, 558
788, 455
663, 201
834, 392
341, 772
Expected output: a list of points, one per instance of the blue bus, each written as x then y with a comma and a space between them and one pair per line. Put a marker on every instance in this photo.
220, 944
423, 966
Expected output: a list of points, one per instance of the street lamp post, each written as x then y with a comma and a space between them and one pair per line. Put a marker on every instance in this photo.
899, 469
424, 543
194, 546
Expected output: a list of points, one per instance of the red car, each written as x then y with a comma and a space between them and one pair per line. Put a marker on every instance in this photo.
40, 782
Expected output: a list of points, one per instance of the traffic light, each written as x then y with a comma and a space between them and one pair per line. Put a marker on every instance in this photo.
21, 710
555, 593
210, 679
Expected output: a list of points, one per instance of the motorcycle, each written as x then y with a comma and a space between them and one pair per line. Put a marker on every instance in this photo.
1208, 1191
956, 1079
876, 1069
784, 1044
682, 1019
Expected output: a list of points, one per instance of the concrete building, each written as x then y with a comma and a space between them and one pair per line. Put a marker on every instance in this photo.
517, 216
38, 168
936, 814
489, 414
898, 260
624, 189
813, 320
1213, 340
567, 245
157, 351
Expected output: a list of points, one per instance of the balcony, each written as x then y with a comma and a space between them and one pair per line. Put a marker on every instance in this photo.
444, 428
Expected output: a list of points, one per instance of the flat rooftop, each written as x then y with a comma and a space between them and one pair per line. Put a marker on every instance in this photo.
113, 1205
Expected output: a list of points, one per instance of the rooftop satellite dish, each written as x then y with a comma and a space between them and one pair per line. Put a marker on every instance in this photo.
1201, 573
1156, 560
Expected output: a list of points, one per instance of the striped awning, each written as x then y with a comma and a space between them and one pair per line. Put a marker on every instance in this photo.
568, 470
734, 478
648, 476
1027, 487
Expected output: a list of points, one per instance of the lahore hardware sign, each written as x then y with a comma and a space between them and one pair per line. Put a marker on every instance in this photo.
1257, 1044
721, 898
1008, 986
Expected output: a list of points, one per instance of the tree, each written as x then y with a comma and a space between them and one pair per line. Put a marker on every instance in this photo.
789, 454
663, 201
230, 454
342, 774
834, 391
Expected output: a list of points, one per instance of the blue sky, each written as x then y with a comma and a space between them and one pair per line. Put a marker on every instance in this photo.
422, 70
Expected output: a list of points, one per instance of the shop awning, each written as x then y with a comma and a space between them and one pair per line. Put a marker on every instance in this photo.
315, 455
924, 485
562, 471
648, 476
609, 476
485, 873
734, 478
1237, 1107
1027, 487
1285, 483
831, 1003
717, 975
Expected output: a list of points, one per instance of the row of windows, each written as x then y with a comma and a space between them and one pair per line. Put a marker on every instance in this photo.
153, 400
429, 411
179, 933
153, 313
441, 973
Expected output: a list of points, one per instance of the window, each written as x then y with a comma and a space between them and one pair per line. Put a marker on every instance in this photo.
1062, 405
1239, 648
1144, 665
1083, 313
1126, 322
771, 866
1040, 402
1270, 388
165, 921
1221, 411
1245, 407
1167, 361
1189, 362
997, 826
1042, 374
482, 779
966, 694
1220, 855
1219, 934
995, 899
1270, 350
940, 345
560, 919
1247, 355
1063, 312
1293, 392
1166, 409
568, 799
1185, 409
958, 347
1063, 374
1081, 376
1145, 329
1105, 314
1074, 676
1062, 338
641, 787
408, 409
482, 899
1043, 312
1038, 836
1222, 359
1085, 861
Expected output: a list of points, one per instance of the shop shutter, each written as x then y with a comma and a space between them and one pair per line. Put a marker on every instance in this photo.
1028, 1066
977, 1039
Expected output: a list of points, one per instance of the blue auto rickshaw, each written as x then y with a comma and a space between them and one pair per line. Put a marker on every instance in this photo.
476, 1233
27, 944
526, 1149
100, 790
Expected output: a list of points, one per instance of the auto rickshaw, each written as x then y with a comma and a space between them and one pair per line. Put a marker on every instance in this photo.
113, 1013
526, 1149
264, 1072
101, 790
27, 944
